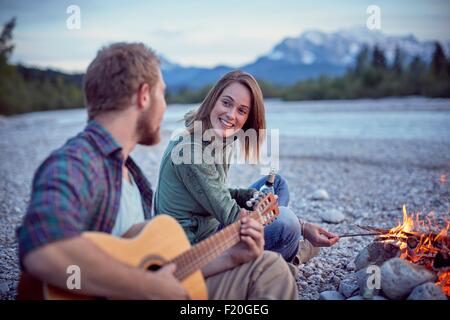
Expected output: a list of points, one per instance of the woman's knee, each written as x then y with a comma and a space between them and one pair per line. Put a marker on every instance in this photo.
281, 181
282, 190
284, 233
289, 220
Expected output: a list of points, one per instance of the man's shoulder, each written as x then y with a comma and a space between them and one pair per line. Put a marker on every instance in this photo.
80, 147
78, 152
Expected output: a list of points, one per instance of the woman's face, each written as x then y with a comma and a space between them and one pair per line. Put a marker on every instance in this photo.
231, 110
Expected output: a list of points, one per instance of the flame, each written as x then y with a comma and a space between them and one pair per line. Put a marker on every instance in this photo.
418, 244
443, 178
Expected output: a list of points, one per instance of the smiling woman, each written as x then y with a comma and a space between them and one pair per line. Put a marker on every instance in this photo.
196, 192
234, 103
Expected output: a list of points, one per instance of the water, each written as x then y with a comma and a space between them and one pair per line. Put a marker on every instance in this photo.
399, 118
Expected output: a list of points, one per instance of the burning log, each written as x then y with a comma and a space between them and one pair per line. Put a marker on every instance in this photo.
442, 260
432, 250
434, 242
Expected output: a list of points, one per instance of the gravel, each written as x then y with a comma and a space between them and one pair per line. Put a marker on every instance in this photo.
366, 180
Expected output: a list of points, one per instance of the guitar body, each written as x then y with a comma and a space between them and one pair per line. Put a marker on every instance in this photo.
161, 240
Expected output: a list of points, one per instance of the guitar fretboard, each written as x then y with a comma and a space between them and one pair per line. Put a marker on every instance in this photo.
209, 249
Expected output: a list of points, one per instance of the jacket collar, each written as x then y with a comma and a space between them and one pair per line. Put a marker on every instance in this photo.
102, 138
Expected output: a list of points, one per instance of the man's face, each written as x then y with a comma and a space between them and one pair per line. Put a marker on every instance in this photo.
149, 122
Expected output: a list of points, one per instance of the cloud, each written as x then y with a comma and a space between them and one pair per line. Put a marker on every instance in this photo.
167, 33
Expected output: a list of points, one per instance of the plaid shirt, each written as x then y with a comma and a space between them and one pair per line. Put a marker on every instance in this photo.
77, 188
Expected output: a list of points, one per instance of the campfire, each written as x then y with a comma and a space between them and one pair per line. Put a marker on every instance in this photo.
443, 178
421, 244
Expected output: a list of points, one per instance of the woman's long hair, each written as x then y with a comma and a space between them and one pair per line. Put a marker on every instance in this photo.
256, 119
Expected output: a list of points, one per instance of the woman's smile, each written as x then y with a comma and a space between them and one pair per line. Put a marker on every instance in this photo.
226, 124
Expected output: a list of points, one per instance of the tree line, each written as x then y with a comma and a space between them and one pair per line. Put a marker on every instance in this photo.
25, 89
373, 77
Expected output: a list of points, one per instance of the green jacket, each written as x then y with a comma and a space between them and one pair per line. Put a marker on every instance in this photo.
196, 195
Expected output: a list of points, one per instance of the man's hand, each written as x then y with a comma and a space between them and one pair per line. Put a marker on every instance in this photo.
251, 245
164, 286
318, 236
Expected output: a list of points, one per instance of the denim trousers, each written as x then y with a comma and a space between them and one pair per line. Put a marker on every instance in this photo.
283, 234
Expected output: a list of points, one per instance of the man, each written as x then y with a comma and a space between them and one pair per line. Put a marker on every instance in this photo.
91, 183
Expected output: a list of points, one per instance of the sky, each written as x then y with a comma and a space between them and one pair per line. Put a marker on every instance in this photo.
200, 32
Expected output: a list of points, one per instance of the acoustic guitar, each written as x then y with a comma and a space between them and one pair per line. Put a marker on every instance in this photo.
161, 241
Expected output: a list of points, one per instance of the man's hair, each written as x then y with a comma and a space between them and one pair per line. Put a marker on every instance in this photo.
115, 75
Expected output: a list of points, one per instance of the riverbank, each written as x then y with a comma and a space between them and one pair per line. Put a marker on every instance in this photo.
368, 180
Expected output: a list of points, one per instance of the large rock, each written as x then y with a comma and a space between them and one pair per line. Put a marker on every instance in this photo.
399, 277
349, 285
427, 291
368, 290
379, 298
375, 254
331, 295
359, 297
320, 194
332, 216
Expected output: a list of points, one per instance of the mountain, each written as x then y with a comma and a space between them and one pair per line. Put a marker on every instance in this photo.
178, 77
311, 54
341, 47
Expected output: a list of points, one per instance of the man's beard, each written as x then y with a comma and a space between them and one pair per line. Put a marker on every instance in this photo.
147, 137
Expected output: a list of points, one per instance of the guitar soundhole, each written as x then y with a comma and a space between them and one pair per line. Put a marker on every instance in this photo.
153, 267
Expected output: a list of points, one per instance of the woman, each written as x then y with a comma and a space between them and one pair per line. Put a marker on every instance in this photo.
195, 192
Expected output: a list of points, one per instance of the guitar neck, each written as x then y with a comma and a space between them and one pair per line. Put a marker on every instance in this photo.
207, 250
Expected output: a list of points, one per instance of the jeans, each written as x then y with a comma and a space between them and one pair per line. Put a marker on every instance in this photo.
283, 234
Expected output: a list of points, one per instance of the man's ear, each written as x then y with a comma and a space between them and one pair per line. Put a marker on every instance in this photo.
143, 96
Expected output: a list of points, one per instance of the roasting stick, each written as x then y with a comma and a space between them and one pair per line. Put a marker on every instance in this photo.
347, 235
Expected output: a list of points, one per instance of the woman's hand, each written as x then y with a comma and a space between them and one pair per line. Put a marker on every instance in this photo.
318, 236
251, 245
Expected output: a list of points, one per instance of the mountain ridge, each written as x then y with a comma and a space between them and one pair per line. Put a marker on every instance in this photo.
311, 54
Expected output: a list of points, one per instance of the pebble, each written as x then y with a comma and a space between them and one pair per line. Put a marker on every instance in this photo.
316, 278
4, 288
335, 280
332, 216
349, 285
303, 284
320, 194
331, 295
367, 289
351, 266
